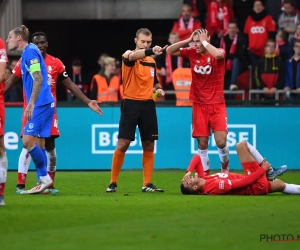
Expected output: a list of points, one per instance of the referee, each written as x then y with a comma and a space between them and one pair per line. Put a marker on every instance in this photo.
138, 107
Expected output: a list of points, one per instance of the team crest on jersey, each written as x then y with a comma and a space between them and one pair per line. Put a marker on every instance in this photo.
31, 125
34, 61
49, 69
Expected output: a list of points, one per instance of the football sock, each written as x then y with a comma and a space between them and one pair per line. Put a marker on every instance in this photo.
291, 189
256, 155
224, 154
204, 159
117, 162
3, 173
24, 162
148, 165
51, 164
39, 159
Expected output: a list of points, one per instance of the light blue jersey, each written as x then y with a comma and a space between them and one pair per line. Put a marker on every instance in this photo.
33, 61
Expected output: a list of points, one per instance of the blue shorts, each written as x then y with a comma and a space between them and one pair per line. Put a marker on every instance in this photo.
41, 122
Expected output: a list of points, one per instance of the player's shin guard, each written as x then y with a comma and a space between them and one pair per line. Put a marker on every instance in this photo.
148, 165
204, 159
3, 173
291, 189
256, 155
51, 164
24, 162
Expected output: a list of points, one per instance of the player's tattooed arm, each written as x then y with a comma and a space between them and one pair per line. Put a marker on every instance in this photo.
37, 84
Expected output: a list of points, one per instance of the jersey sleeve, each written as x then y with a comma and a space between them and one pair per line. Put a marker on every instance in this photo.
3, 54
185, 52
17, 69
61, 69
32, 58
271, 26
125, 59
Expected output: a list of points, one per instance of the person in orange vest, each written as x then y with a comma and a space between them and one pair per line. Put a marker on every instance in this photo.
182, 79
105, 86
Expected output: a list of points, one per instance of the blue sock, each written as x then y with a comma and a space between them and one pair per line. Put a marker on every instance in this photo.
38, 159
45, 157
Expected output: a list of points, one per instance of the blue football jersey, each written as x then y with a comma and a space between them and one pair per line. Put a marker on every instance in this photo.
33, 61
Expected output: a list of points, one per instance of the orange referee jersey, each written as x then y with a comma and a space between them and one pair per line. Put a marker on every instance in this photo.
138, 77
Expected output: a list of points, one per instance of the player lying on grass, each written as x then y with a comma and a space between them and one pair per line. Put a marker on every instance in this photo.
254, 182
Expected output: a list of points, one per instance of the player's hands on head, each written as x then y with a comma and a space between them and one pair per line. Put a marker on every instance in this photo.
93, 104
29, 111
203, 35
157, 50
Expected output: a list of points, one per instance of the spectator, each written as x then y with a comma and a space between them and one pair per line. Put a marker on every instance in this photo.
186, 23
105, 87
78, 78
101, 62
235, 46
259, 28
219, 15
242, 9
282, 45
289, 19
269, 72
296, 37
292, 77
199, 9
167, 64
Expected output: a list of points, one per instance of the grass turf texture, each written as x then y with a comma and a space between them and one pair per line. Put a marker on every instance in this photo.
83, 216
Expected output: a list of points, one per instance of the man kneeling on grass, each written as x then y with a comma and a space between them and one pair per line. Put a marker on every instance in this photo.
254, 182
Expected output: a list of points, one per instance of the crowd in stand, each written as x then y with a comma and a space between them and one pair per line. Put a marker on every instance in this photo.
261, 40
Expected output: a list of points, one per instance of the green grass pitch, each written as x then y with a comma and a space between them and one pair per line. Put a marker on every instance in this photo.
83, 216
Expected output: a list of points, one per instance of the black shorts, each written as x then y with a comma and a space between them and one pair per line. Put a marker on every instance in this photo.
138, 113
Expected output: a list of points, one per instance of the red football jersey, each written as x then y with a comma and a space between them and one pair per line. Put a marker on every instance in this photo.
258, 33
3, 58
54, 68
220, 183
207, 76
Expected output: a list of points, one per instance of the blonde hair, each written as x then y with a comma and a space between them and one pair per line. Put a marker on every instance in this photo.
22, 31
109, 60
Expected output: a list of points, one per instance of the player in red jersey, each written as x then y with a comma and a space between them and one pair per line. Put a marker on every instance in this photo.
56, 74
255, 181
3, 159
207, 93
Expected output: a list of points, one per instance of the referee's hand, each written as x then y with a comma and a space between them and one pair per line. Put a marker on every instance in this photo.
157, 50
93, 104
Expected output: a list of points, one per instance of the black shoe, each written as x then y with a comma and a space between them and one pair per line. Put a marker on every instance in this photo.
151, 188
112, 187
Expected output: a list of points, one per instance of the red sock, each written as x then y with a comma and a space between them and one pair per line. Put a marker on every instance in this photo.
2, 187
22, 179
52, 176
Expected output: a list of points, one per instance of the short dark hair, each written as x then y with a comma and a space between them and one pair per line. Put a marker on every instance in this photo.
144, 31
291, 2
233, 21
187, 191
22, 31
284, 35
208, 34
39, 33
188, 5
